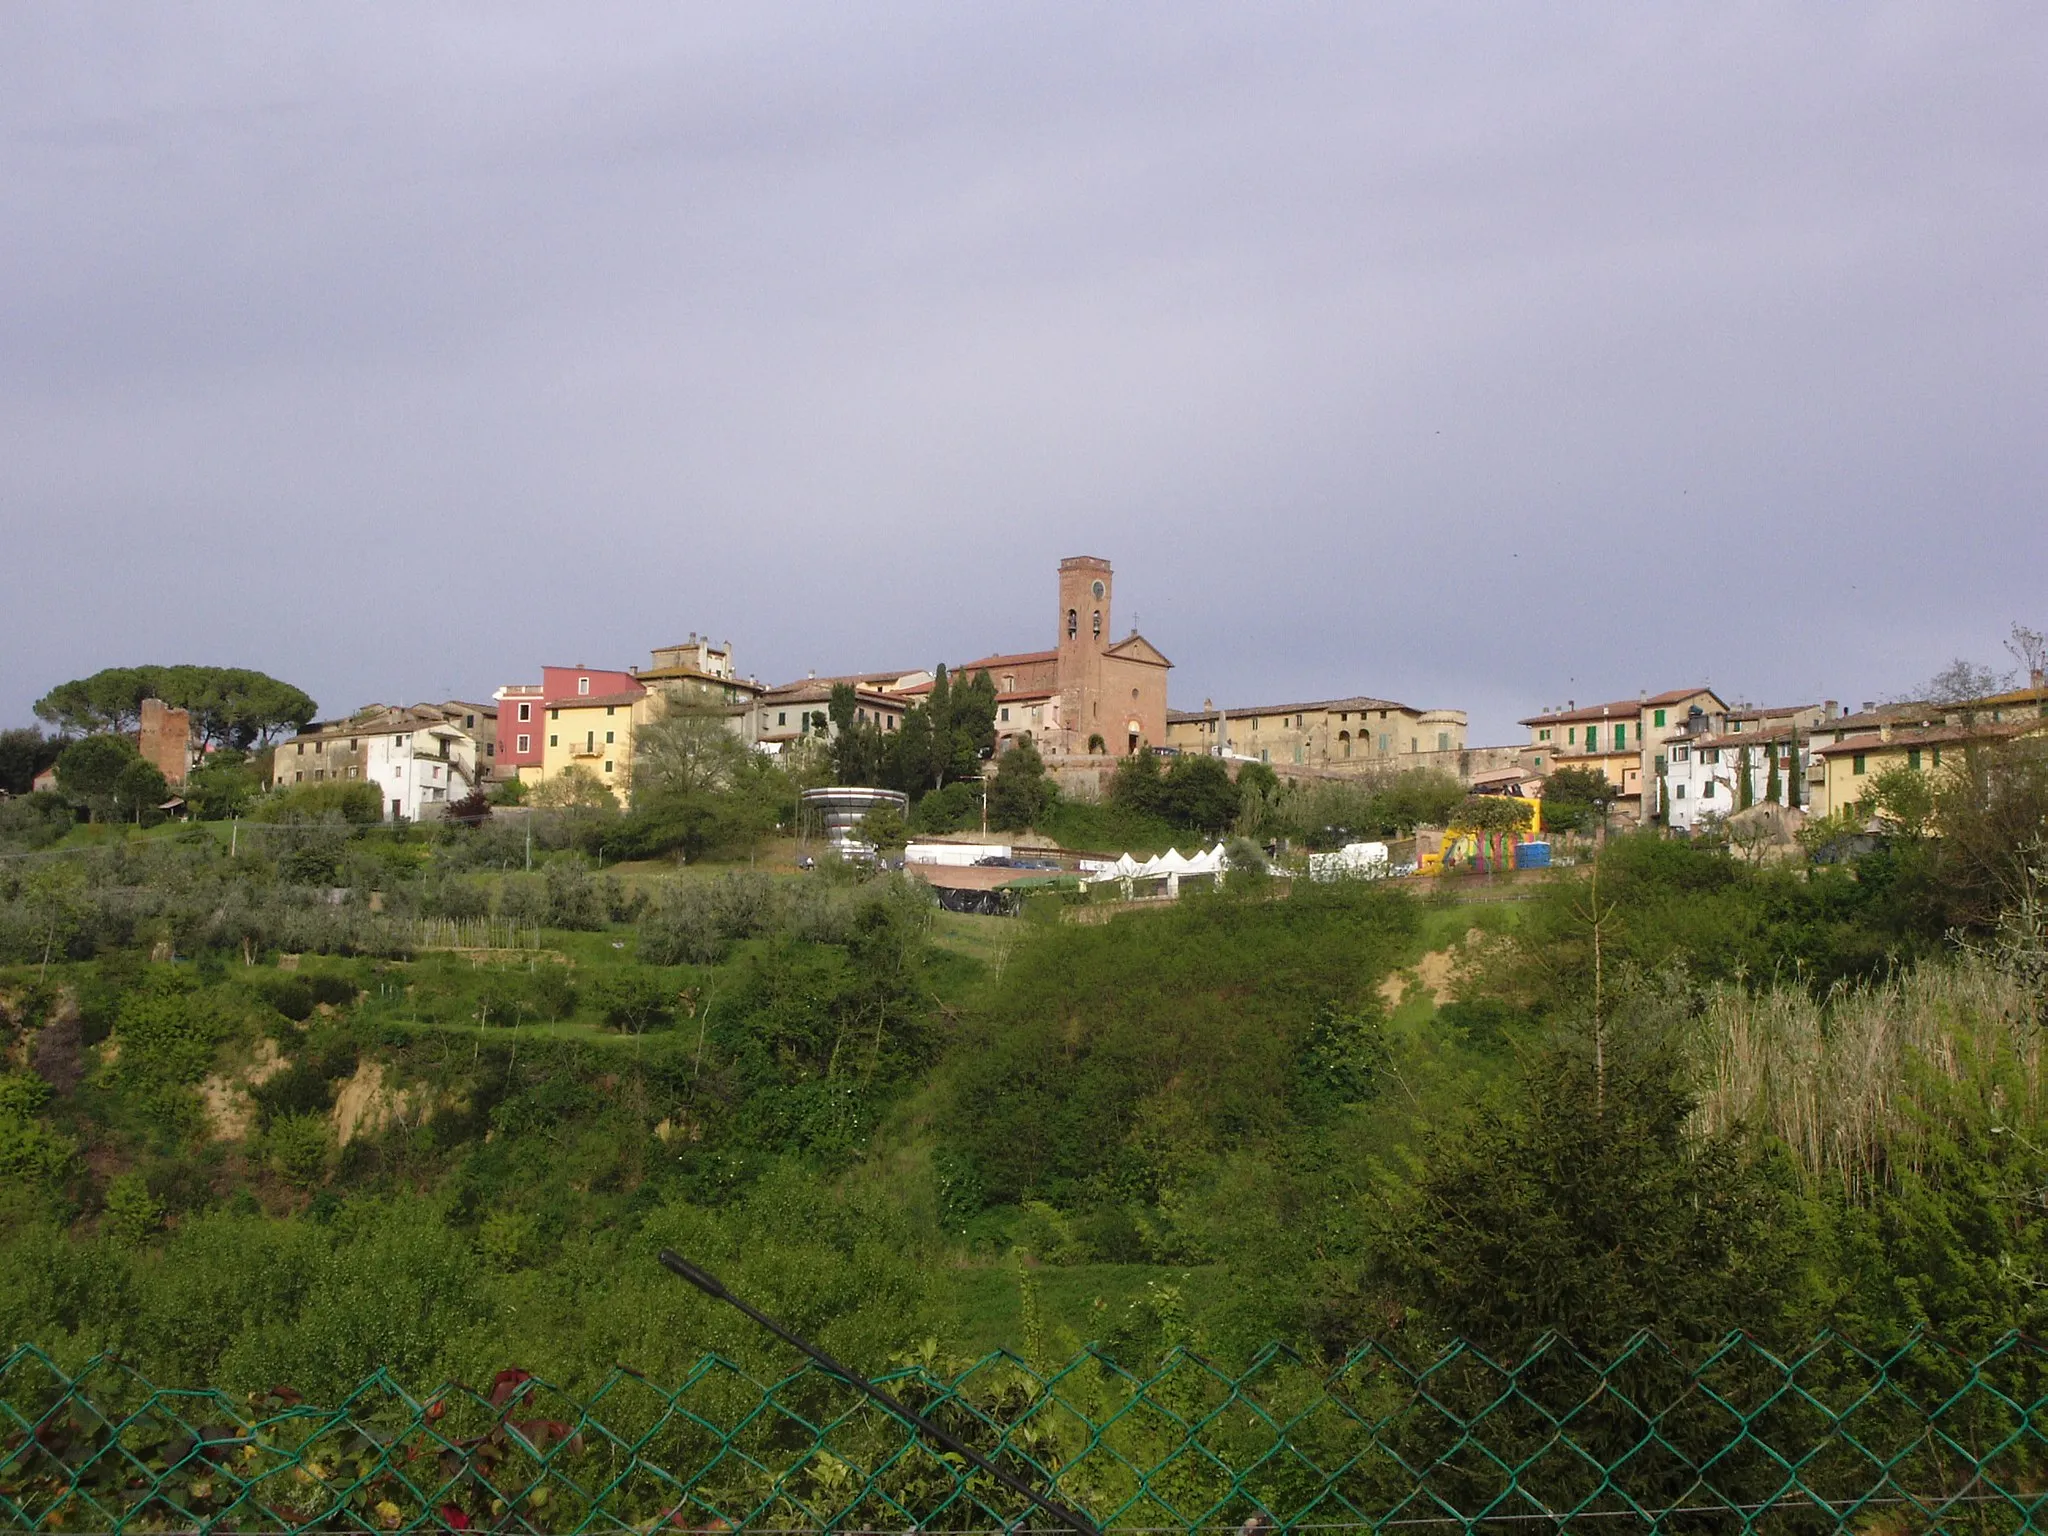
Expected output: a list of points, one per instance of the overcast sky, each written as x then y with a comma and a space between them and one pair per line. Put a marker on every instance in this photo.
1476, 358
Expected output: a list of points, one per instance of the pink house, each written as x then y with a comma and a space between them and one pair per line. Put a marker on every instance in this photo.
522, 709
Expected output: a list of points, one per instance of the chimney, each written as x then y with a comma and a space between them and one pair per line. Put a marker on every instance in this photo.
1869, 705
1828, 708
1571, 703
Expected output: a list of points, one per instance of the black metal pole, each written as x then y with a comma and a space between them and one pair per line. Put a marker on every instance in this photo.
713, 1287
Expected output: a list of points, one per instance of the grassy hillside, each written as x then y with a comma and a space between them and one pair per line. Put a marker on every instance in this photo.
254, 1129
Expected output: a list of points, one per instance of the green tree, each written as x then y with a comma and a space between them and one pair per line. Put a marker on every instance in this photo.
1137, 785
231, 706
859, 753
24, 753
1576, 799
1581, 1199
90, 769
1774, 784
223, 785
1745, 780
883, 829
1490, 814
140, 791
1021, 791
1198, 794
1902, 798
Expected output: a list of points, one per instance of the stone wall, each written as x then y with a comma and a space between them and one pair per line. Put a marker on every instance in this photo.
165, 739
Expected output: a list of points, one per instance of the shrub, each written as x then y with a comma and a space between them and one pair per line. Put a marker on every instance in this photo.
358, 804
696, 922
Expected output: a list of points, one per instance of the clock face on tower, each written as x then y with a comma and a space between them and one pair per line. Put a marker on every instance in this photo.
1098, 589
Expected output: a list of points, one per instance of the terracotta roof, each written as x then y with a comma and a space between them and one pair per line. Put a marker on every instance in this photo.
1770, 735
664, 674
1026, 693
1357, 702
1015, 659
1928, 736
1622, 707
593, 700
816, 690
1132, 640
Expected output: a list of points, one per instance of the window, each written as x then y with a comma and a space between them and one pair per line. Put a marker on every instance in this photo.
1297, 753
1098, 623
302, 749
1543, 735
1297, 722
554, 740
1386, 741
583, 685
298, 778
608, 738
1004, 712
351, 770
525, 744
1856, 763
1913, 757
590, 741
611, 709
1571, 735
1657, 719
1678, 791
1710, 754
1680, 754
607, 765
1098, 589
526, 712
490, 749
1443, 741
1134, 693
1620, 738
1660, 762
554, 714
1707, 790
1265, 756
319, 773
1073, 623
782, 717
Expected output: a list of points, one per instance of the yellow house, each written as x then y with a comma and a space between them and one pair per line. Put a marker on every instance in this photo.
596, 735
1852, 764
1357, 731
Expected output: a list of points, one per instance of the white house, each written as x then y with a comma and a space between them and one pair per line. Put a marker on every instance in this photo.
419, 766
1703, 769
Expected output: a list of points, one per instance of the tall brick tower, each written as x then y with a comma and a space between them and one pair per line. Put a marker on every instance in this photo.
1086, 586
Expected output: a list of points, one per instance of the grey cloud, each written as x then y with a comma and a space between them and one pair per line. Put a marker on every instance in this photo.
1477, 357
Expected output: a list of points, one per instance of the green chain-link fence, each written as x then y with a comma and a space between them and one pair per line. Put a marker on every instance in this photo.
1737, 1438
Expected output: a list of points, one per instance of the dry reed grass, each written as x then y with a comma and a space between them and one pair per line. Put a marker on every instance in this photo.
1857, 1085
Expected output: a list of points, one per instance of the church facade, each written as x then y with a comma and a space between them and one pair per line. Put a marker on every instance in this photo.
1091, 695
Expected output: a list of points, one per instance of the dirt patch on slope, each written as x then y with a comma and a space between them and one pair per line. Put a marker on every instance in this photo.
365, 1106
230, 1112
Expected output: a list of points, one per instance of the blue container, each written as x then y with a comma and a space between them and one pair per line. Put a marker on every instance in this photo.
1532, 856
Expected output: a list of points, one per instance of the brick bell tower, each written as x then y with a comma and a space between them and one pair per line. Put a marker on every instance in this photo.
1086, 587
